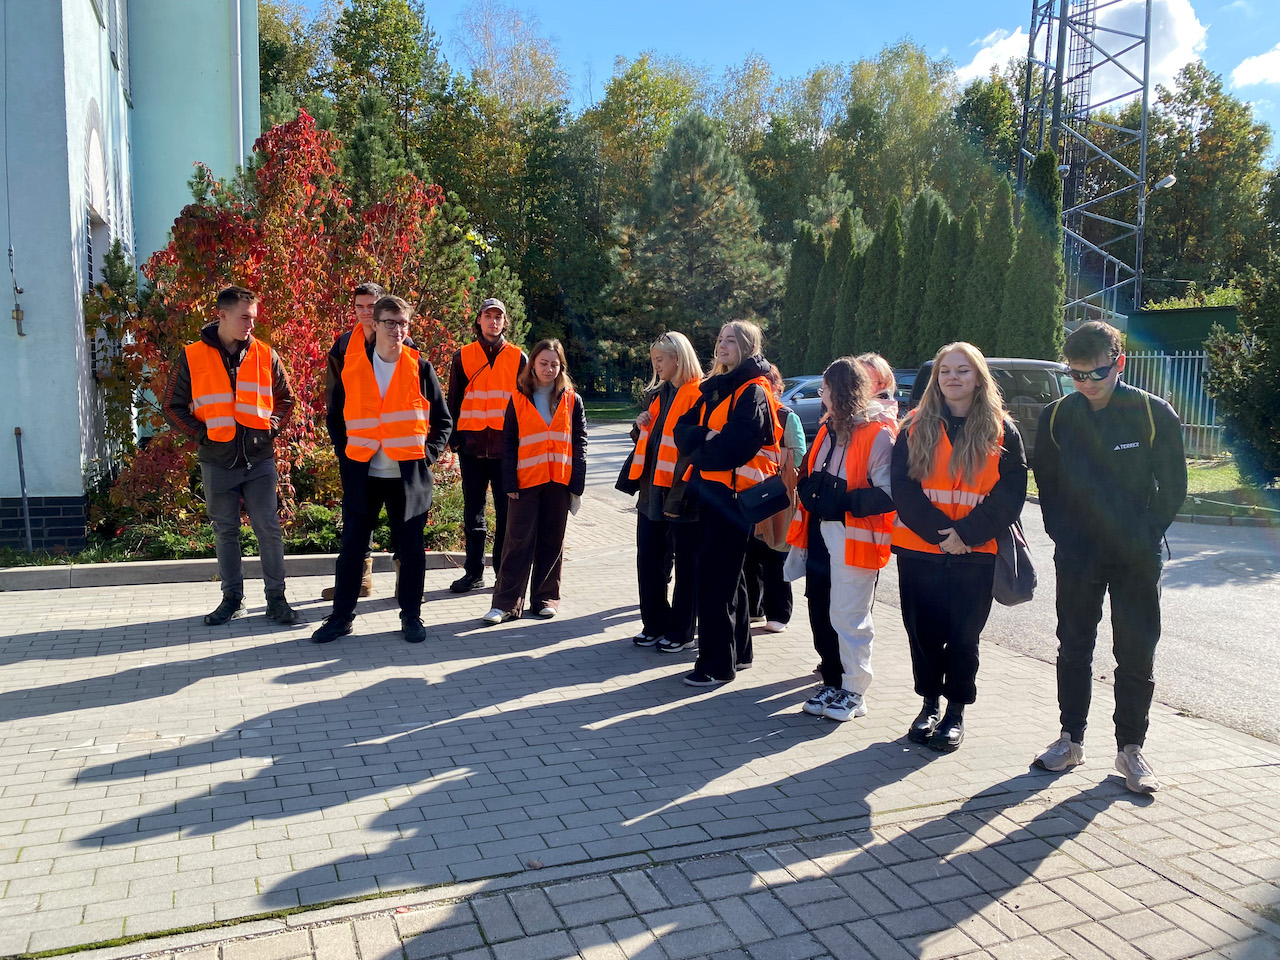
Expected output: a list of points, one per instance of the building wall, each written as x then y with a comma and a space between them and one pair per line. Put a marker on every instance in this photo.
190, 104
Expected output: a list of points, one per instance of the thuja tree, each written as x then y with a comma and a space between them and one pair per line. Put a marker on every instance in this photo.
880, 287
822, 318
937, 314
1031, 319
845, 338
808, 254
904, 334
982, 293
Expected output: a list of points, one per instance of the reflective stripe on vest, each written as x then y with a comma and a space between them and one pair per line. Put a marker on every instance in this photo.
765, 462
665, 466
399, 422
866, 539
545, 454
489, 386
954, 496
212, 401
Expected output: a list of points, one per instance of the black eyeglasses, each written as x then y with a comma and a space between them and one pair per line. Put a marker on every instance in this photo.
395, 324
1101, 373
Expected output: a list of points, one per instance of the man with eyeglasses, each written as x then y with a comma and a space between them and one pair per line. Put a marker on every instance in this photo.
1112, 475
388, 416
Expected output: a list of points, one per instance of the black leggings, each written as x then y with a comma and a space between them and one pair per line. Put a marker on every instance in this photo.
945, 604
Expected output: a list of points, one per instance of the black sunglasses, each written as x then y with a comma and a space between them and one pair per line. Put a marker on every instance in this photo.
1080, 376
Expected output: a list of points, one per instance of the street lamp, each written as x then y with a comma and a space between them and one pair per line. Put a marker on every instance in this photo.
1162, 184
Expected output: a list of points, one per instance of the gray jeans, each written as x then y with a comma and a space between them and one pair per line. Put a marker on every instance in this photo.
223, 490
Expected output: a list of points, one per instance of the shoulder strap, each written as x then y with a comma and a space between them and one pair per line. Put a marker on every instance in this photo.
1053, 420
1146, 398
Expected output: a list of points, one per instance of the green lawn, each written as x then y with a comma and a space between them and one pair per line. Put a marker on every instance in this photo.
611, 410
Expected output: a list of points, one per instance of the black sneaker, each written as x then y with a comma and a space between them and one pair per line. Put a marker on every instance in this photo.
666, 645
278, 609
466, 583
331, 629
700, 679
644, 639
231, 608
413, 629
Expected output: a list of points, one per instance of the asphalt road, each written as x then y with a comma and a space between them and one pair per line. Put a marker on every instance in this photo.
1219, 654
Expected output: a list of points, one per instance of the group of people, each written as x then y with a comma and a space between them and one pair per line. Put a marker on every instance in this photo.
938, 489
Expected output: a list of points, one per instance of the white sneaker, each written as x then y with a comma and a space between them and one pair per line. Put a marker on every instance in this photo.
495, 616
818, 702
757, 619
775, 626
1138, 775
547, 612
845, 705
1063, 754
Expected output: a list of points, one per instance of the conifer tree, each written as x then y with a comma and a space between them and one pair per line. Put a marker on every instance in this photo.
966, 255
822, 318
984, 288
936, 316
845, 336
808, 253
1031, 320
880, 287
915, 274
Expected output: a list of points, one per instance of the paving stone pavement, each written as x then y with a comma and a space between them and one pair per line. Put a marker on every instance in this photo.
546, 789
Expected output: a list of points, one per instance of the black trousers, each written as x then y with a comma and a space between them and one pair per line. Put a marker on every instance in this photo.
945, 604
724, 634
661, 546
817, 587
1135, 631
358, 521
535, 550
479, 475
768, 594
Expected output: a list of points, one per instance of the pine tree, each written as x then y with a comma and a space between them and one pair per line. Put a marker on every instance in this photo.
880, 288
822, 318
915, 274
808, 253
966, 255
984, 289
845, 336
1032, 318
937, 314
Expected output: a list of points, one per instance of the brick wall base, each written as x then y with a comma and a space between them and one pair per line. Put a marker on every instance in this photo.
56, 522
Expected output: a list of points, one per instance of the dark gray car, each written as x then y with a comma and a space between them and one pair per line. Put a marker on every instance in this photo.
801, 395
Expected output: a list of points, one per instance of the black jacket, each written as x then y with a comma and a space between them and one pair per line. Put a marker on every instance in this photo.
1107, 490
511, 445
250, 446
748, 428
416, 474
1001, 506
674, 504
475, 443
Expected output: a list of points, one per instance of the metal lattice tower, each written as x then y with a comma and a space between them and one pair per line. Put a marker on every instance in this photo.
1068, 52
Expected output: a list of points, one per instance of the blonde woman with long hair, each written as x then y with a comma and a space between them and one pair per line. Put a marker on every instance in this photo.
731, 436
959, 477
666, 527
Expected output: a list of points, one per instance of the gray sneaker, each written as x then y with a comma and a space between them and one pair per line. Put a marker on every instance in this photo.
1063, 754
1138, 775
231, 608
818, 702
845, 705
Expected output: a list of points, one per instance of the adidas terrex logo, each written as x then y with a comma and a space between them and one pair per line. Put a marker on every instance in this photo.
1127, 446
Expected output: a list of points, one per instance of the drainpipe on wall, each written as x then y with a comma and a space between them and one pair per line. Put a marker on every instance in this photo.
22, 483
238, 80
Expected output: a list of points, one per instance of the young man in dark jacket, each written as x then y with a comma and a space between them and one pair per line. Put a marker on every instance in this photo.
388, 416
481, 381
229, 393
1112, 474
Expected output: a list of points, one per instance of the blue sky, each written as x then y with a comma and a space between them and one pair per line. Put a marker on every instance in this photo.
1239, 39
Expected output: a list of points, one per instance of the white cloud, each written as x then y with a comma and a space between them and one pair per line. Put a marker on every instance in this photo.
1177, 38
1264, 68
1241, 5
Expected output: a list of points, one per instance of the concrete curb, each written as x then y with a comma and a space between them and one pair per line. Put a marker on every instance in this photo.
133, 573
1209, 519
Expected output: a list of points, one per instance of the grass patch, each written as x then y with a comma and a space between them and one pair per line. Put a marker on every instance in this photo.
1214, 489
615, 410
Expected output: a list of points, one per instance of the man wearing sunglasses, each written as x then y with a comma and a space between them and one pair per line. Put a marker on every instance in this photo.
1112, 474
388, 417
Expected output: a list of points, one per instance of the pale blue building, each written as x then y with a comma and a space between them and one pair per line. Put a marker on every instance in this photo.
107, 105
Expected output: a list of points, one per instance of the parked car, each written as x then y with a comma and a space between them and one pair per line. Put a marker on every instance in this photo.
801, 395
1028, 386
905, 379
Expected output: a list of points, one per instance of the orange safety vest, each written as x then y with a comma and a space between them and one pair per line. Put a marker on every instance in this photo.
765, 463
398, 422
212, 401
866, 539
489, 386
546, 449
954, 496
664, 471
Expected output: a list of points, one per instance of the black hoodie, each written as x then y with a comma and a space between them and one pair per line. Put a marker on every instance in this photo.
749, 427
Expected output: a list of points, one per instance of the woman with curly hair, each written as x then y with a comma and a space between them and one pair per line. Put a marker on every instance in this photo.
844, 519
959, 477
